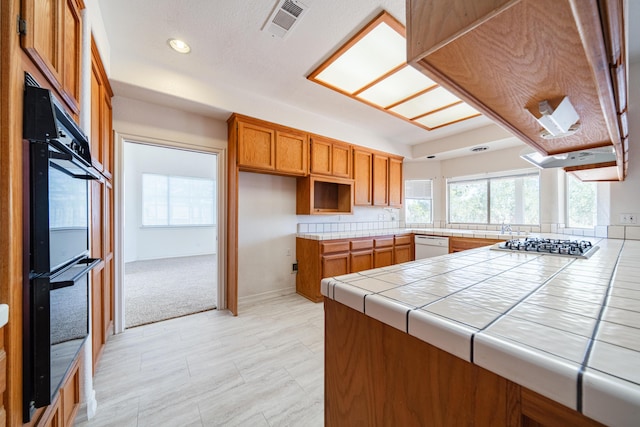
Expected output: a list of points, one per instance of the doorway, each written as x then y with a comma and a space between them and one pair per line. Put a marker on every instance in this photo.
170, 232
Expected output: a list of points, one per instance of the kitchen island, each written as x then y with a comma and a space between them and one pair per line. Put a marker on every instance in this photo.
486, 337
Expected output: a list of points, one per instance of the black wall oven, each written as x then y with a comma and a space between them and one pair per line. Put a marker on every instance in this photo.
56, 302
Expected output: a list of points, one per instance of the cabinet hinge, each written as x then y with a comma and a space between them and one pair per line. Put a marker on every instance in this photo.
22, 26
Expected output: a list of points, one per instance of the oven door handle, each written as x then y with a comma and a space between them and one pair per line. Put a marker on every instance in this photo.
91, 262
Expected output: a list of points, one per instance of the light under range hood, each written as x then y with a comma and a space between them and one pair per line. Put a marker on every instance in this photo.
575, 158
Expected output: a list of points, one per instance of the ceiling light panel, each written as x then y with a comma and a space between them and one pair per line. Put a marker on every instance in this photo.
372, 68
447, 116
397, 87
378, 52
429, 101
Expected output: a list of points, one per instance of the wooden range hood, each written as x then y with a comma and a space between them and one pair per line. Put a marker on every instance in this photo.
506, 56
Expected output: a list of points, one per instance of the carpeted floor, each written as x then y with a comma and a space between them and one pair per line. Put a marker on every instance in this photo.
162, 289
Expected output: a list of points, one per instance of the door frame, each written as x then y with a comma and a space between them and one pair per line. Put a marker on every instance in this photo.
221, 194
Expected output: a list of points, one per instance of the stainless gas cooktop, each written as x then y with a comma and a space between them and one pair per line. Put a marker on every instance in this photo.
569, 248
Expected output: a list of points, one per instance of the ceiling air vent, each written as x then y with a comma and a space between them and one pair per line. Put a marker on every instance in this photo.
286, 14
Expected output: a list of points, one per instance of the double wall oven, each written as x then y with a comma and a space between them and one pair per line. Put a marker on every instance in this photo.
56, 235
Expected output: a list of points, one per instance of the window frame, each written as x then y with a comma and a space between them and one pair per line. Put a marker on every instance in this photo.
168, 223
488, 178
414, 198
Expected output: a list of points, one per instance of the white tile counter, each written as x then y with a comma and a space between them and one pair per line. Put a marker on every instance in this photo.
563, 327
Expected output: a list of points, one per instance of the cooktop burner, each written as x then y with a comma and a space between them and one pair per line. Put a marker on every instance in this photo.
572, 248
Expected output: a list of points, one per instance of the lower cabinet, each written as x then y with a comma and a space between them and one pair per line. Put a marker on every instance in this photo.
329, 258
383, 252
65, 404
403, 249
361, 255
458, 244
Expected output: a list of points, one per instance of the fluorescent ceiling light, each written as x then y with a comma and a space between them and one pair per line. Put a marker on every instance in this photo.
179, 46
372, 68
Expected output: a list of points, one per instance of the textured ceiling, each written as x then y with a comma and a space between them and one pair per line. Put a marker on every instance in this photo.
235, 66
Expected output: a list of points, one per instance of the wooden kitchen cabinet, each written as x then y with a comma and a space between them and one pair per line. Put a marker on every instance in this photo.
52, 38
329, 258
101, 116
319, 195
376, 374
458, 244
396, 183
361, 255
403, 249
377, 178
292, 152
380, 180
65, 403
363, 177
330, 157
382, 252
269, 148
504, 57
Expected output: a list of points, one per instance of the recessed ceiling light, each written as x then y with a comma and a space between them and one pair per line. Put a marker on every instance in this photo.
179, 46
479, 148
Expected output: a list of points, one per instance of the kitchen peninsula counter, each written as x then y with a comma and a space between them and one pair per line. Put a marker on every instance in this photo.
564, 330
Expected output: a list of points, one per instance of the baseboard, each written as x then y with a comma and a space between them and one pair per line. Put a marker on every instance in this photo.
252, 299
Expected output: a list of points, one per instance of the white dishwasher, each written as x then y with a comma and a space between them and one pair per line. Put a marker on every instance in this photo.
430, 246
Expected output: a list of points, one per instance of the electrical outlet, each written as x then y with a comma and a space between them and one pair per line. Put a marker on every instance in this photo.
628, 218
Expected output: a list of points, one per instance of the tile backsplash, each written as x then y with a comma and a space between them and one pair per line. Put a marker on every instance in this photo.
611, 231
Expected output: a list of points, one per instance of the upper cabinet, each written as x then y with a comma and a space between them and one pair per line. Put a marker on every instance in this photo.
363, 176
52, 36
505, 57
377, 178
330, 157
266, 147
101, 116
380, 180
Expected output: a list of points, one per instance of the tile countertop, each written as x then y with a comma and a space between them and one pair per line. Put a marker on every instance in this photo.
446, 232
564, 327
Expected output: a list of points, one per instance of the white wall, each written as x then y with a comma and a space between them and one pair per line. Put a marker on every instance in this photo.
625, 196
141, 243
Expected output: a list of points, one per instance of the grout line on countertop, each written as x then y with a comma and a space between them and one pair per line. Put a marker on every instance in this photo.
520, 301
596, 328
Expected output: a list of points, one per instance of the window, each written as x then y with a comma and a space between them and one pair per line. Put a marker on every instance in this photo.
512, 199
177, 201
581, 203
418, 201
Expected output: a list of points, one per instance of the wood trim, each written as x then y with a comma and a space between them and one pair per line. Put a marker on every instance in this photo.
231, 294
11, 216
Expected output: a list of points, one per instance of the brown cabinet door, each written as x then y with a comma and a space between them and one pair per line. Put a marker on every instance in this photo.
362, 175
53, 40
395, 182
383, 257
335, 265
106, 134
72, 43
361, 260
43, 38
380, 180
292, 153
341, 160
321, 156
97, 331
256, 147
97, 149
402, 253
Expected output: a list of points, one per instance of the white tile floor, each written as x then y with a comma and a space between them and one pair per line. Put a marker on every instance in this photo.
262, 368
